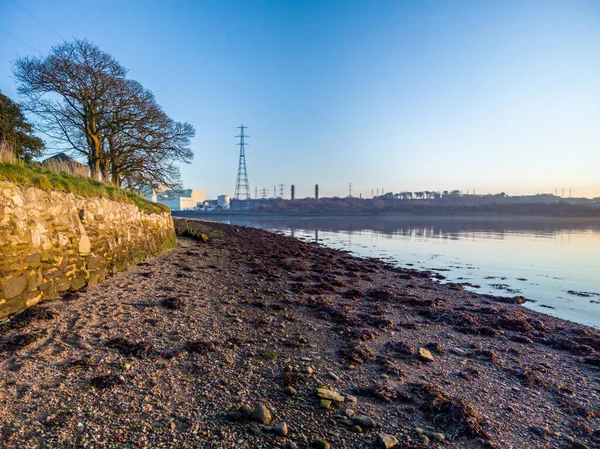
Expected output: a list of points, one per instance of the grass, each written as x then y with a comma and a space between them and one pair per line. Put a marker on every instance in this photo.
31, 175
270, 355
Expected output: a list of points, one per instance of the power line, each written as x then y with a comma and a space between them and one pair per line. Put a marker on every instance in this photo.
20, 40
72, 19
34, 17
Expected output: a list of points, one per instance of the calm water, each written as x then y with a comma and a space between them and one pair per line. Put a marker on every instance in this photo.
555, 262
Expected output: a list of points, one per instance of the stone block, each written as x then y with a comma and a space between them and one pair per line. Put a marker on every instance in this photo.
13, 286
32, 298
63, 286
78, 283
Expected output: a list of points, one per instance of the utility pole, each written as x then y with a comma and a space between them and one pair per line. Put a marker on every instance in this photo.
242, 187
350, 190
256, 192
281, 190
293, 192
264, 192
274, 191
316, 191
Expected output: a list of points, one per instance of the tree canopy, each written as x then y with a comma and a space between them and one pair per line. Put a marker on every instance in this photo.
17, 132
85, 103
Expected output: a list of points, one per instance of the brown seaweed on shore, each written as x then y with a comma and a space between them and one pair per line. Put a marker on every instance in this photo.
127, 348
17, 342
200, 347
456, 415
107, 381
173, 303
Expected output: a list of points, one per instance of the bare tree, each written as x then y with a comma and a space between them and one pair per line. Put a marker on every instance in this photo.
69, 91
85, 102
142, 144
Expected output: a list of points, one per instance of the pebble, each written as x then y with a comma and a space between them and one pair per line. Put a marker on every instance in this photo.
332, 395
325, 403
309, 370
290, 391
281, 429
539, 430
245, 410
386, 441
351, 400
424, 440
320, 444
425, 355
579, 445
234, 415
459, 351
333, 376
356, 429
438, 436
261, 414
364, 421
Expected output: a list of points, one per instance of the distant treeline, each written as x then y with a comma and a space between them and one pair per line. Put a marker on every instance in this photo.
444, 206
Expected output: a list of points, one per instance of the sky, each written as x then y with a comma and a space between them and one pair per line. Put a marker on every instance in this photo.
402, 95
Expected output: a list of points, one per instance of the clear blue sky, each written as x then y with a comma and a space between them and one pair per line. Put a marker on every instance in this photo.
402, 95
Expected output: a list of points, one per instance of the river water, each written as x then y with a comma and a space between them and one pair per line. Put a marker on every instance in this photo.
553, 261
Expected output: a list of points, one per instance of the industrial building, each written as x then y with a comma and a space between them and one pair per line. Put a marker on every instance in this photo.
177, 200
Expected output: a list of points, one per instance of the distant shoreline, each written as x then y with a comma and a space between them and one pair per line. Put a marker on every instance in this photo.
479, 216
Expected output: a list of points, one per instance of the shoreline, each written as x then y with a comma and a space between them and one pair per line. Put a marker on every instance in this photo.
587, 219
165, 353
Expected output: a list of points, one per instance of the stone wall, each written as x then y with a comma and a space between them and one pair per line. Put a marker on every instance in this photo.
52, 242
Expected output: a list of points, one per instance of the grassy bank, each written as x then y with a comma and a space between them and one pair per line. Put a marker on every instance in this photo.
34, 176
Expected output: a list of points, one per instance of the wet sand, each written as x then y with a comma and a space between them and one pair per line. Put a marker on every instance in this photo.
164, 355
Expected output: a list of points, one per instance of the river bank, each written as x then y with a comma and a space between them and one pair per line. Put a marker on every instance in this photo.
165, 354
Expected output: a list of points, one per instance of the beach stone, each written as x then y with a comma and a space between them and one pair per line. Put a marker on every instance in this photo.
459, 351
424, 440
539, 430
320, 444
292, 445
425, 355
281, 429
261, 414
332, 395
290, 391
364, 421
579, 445
386, 441
351, 400
356, 429
245, 410
325, 403
333, 376
234, 415
348, 412
438, 436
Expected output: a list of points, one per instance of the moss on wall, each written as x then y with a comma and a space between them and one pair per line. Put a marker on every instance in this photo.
54, 241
